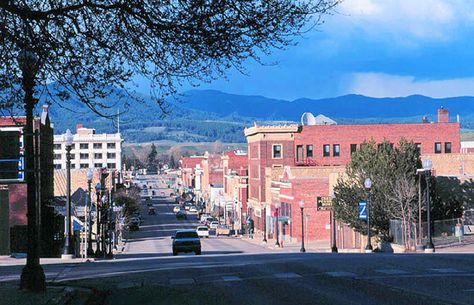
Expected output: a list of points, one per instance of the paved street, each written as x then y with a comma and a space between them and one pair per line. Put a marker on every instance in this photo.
235, 271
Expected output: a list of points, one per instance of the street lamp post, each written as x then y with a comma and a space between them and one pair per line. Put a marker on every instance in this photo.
68, 246
302, 226
368, 186
277, 207
427, 165
334, 228
89, 176
98, 189
264, 225
32, 275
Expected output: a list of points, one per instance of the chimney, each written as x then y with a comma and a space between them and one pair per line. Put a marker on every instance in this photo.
78, 126
443, 115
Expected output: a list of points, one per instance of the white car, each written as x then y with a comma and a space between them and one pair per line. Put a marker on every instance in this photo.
176, 209
202, 231
213, 224
204, 217
193, 210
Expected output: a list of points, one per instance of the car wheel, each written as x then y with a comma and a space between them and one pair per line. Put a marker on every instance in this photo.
198, 252
175, 253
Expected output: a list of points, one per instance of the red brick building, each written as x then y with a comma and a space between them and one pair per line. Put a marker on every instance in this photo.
325, 149
13, 206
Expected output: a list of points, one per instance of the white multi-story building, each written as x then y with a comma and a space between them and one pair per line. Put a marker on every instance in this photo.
89, 150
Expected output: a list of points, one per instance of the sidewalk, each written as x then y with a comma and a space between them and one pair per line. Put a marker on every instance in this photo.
13, 261
287, 246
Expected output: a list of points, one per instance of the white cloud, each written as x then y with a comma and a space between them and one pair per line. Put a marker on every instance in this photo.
406, 19
386, 85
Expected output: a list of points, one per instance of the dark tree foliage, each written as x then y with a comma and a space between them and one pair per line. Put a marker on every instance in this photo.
383, 164
87, 47
152, 155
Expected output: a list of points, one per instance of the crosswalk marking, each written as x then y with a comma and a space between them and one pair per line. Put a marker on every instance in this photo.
392, 271
286, 275
341, 274
446, 270
231, 278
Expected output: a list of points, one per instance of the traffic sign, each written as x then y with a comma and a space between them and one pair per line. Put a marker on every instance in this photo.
363, 210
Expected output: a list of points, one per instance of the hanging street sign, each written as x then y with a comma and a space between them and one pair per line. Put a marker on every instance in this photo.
363, 210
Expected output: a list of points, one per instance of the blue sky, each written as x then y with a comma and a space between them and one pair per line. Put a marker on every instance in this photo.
380, 48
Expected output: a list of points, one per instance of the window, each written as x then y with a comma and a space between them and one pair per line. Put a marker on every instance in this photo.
110, 145
97, 145
110, 165
57, 156
73, 166
57, 166
326, 150
437, 147
98, 165
276, 151
84, 165
447, 147
73, 156
418, 148
336, 150
57, 146
83, 156
97, 156
353, 148
84, 146
299, 153
309, 151
110, 155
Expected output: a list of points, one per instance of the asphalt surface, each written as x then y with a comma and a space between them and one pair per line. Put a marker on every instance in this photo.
234, 271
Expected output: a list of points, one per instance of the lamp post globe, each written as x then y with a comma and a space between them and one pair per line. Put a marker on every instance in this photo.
302, 249
368, 186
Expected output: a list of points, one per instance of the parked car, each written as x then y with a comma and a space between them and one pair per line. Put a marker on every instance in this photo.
222, 230
138, 215
202, 231
176, 209
213, 225
181, 215
193, 209
134, 224
186, 241
151, 211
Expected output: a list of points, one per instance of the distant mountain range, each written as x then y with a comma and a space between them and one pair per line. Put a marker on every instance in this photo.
208, 115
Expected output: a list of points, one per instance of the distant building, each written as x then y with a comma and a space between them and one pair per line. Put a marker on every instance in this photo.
89, 150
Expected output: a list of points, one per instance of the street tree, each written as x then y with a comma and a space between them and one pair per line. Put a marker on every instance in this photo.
387, 166
151, 158
62, 49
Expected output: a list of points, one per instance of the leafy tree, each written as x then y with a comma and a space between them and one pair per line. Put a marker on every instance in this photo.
83, 49
129, 200
152, 155
387, 166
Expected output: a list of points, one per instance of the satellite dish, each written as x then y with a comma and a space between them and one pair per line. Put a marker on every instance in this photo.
308, 119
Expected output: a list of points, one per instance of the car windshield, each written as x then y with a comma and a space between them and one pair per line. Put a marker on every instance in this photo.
186, 234
202, 229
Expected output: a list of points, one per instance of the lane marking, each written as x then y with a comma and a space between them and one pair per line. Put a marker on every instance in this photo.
184, 281
341, 274
392, 271
231, 278
286, 275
